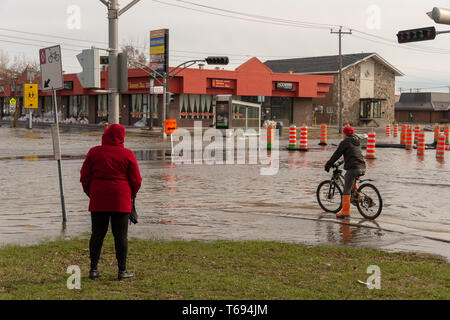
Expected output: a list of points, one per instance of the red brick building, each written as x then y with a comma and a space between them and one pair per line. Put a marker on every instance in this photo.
286, 97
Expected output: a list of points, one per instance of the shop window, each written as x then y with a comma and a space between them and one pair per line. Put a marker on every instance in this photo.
370, 109
281, 108
196, 106
78, 106
140, 106
102, 105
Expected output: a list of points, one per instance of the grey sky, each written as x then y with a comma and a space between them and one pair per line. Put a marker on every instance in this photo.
195, 34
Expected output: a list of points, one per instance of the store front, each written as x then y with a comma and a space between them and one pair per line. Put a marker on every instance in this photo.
194, 92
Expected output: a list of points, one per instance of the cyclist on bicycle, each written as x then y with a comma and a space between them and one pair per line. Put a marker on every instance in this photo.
350, 148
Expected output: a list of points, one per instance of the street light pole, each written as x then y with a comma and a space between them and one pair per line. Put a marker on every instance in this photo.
113, 72
113, 96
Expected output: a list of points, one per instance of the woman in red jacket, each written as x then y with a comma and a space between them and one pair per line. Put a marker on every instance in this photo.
110, 177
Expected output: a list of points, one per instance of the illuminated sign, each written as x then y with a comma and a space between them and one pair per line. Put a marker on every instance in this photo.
159, 50
220, 83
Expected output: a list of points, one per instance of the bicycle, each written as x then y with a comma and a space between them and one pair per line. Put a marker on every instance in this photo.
365, 197
53, 55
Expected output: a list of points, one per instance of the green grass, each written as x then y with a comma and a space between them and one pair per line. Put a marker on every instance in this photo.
220, 270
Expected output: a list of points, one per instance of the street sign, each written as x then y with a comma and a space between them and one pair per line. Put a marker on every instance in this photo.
30, 94
12, 101
51, 68
170, 126
158, 90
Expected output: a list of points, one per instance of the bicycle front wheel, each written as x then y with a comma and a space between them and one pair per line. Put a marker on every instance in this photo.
369, 201
329, 196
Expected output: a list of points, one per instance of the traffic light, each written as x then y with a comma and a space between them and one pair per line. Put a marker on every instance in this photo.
170, 97
414, 35
90, 62
122, 60
217, 60
104, 59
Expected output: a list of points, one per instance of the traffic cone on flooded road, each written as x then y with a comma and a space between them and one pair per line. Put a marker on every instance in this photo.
323, 135
292, 137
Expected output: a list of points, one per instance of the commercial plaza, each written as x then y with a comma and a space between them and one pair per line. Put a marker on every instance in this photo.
284, 97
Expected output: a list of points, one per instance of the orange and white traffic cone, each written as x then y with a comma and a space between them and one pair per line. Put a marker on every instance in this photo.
345, 212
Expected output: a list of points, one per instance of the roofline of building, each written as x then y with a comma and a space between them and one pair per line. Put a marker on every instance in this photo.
373, 55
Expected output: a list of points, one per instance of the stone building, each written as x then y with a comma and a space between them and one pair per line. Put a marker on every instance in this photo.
368, 83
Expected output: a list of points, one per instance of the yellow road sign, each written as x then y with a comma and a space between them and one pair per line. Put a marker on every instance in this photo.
30, 93
12, 101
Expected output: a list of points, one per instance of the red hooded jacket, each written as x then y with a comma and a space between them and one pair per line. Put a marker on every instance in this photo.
110, 174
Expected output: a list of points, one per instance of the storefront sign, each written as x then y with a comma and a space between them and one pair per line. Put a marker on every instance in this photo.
284, 85
138, 85
221, 83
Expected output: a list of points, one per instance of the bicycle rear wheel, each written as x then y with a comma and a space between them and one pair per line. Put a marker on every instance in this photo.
369, 201
329, 196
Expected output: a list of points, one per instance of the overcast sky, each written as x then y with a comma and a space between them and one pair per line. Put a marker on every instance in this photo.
196, 34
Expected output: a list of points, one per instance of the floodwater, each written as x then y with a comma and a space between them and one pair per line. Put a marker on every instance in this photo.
226, 201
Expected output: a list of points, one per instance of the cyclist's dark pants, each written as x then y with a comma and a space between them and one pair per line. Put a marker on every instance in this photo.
350, 177
119, 226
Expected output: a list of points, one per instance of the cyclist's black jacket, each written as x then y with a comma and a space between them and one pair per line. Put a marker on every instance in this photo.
350, 148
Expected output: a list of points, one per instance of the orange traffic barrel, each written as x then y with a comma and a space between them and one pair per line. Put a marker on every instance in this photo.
323, 135
446, 134
421, 143
303, 141
437, 131
370, 147
416, 132
440, 147
409, 138
395, 129
388, 129
269, 137
403, 134
292, 136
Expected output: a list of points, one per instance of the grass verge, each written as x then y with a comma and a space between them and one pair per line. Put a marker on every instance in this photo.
220, 270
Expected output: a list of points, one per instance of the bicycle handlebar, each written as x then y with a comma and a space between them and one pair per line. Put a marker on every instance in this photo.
337, 164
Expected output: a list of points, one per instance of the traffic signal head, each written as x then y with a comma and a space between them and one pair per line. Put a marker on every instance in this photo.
170, 97
90, 62
104, 59
414, 35
217, 60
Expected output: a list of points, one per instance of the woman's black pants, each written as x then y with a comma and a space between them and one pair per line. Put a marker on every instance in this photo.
119, 226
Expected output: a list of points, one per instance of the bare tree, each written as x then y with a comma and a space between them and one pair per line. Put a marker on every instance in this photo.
134, 52
4, 63
17, 66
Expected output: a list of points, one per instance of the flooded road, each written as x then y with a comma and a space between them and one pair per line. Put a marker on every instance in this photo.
235, 202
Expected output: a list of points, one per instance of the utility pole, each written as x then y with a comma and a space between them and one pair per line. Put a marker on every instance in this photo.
340, 33
113, 72
165, 105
